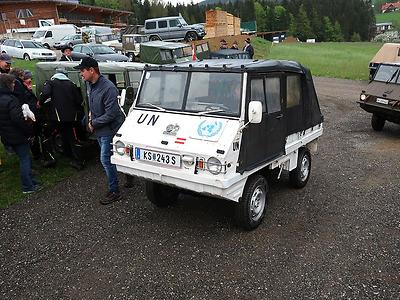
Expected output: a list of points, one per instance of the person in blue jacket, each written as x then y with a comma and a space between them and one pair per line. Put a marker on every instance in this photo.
104, 120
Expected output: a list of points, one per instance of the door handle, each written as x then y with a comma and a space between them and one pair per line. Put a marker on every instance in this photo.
279, 117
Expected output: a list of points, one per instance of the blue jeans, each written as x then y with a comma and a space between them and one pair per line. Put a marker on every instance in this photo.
105, 158
23, 152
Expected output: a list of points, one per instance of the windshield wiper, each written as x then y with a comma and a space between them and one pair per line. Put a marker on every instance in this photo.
393, 76
210, 111
152, 105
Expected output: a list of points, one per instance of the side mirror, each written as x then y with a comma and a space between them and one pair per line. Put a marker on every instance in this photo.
179, 25
255, 112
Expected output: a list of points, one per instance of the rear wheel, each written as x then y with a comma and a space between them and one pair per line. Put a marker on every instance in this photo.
377, 123
154, 38
26, 56
250, 210
161, 195
70, 45
299, 176
191, 36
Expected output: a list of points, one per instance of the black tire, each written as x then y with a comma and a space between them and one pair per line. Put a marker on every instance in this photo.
377, 123
26, 56
299, 176
161, 195
250, 211
70, 45
154, 38
191, 36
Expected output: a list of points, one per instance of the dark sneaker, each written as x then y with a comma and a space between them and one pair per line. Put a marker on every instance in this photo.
111, 198
36, 188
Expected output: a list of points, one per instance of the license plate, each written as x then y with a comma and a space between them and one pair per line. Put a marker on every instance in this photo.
156, 157
382, 101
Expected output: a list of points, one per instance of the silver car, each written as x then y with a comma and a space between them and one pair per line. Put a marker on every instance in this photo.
27, 49
69, 40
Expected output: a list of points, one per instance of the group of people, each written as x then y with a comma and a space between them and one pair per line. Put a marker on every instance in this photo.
248, 48
60, 106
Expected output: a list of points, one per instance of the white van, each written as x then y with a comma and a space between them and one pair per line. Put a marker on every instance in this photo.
49, 35
218, 127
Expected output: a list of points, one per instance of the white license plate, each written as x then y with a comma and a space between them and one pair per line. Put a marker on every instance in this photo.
382, 101
162, 158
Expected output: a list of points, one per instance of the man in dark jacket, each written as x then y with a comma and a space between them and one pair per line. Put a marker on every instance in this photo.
62, 103
248, 48
105, 119
66, 53
15, 131
5, 63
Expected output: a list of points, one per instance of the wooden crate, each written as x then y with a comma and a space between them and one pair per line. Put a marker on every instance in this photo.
236, 25
229, 19
215, 16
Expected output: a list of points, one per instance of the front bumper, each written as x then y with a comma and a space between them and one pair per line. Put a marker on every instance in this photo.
44, 57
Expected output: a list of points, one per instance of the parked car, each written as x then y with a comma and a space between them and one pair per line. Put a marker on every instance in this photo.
172, 29
50, 35
27, 49
131, 45
389, 53
230, 54
381, 97
69, 40
98, 52
160, 52
218, 127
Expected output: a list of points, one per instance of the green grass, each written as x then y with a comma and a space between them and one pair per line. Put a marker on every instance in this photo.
10, 187
338, 60
393, 17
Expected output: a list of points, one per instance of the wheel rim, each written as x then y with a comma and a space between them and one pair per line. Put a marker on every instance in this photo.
26, 57
304, 168
257, 203
191, 37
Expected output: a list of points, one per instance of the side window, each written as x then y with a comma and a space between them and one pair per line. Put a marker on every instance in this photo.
162, 24
49, 34
166, 55
18, 44
257, 91
10, 43
151, 25
293, 90
77, 49
173, 23
86, 50
273, 94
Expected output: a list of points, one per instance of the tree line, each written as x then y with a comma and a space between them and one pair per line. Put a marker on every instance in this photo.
323, 20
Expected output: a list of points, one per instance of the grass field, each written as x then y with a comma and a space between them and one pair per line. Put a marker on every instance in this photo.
393, 17
339, 60
10, 187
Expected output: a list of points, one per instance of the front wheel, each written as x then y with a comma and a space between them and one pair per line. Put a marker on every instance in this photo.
250, 210
300, 175
377, 123
161, 195
26, 56
154, 38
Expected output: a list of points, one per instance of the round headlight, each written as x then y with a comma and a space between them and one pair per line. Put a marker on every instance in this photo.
120, 148
363, 97
214, 165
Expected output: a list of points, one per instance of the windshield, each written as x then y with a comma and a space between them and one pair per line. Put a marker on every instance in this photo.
218, 93
67, 37
39, 34
31, 44
182, 21
387, 73
102, 50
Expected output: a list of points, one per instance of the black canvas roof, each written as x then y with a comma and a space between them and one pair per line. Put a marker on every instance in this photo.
235, 65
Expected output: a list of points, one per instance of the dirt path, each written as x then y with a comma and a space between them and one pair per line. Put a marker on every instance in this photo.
339, 237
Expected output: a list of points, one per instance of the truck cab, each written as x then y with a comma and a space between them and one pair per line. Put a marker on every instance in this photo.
217, 127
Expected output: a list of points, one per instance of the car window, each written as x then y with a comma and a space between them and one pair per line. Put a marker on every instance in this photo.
49, 34
134, 78
77, 48
9, 43
293, 91
257, 91
150, 25
66, 38
18, 44
162, 24
102, 50
86, 50
387, 73
77, 37
173, 23
273, 94
31, 44
166, 55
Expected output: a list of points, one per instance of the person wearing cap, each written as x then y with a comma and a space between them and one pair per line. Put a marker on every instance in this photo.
104, 120
15, 131
5, 63
66, 53
223, 44
62, 103
248, 48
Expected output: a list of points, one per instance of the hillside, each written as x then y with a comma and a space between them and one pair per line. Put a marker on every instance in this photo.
393, 17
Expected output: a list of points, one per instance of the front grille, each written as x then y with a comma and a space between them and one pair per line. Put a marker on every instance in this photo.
47, 54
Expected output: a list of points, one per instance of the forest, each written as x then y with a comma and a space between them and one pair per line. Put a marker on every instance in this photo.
323, 20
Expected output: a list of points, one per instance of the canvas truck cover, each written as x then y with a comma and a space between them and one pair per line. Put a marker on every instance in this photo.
388, 53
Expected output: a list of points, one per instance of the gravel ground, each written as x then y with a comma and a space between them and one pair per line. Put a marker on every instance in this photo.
338, 238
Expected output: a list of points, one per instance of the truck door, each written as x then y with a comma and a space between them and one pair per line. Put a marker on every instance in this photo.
264, 141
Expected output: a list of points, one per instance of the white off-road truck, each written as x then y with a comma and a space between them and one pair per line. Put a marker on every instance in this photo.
217, 127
